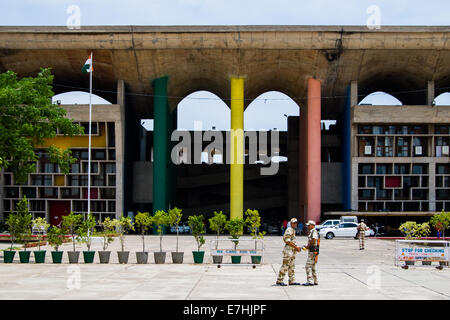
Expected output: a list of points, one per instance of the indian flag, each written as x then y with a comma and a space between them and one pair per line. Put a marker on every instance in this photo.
88, 65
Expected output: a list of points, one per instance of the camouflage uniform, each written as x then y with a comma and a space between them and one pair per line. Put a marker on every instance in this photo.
288, 257
311, 274
361, 234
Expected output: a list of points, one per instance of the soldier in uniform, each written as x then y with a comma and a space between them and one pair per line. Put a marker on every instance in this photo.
313, 252
362, 227
289, 252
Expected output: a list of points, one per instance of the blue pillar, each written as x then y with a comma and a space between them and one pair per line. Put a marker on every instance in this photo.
346, 155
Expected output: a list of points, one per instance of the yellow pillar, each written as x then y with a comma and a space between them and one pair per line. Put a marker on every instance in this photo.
237, 149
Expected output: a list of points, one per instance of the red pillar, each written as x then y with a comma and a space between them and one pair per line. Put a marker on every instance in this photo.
313, 165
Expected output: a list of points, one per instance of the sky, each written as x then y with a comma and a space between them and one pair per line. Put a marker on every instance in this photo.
269, 110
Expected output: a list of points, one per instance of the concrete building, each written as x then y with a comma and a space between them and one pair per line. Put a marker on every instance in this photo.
376, 161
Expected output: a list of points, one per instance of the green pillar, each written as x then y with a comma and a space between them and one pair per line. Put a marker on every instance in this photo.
160, 144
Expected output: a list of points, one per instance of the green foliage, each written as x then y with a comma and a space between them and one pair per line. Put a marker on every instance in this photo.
217, 223
86, 229
42, 225
55, 237
253, 221
441, 221
234, 227
174, 219
122, 226
197, 225
160, 219
143, 221
20, 222
107, 227
63, 158
27, 119
71, 224
413, 230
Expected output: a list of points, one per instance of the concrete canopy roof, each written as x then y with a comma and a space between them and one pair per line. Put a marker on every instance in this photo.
271, 58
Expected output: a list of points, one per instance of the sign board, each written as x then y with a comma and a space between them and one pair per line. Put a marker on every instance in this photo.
416, 253
238, 252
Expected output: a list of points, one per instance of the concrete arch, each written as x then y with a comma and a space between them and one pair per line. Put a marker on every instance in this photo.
381, 98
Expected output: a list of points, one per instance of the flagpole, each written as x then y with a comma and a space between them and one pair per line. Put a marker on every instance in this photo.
90, 131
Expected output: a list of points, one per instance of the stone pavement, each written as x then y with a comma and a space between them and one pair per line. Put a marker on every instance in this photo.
344, 272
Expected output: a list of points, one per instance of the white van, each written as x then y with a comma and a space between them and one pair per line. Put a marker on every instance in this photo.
353, 219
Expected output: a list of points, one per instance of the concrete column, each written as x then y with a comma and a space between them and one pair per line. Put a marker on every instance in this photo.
119, 129
302, 163
430, 93
353, 147
237, 149
160, 139
346, 155
313, 174
432, 186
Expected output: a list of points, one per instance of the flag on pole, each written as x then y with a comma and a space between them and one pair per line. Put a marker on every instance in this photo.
88, 67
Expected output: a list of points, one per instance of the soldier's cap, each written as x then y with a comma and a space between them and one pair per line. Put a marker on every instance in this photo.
310, 222
293, 220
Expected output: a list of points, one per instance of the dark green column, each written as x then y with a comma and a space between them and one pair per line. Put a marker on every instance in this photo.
160, 144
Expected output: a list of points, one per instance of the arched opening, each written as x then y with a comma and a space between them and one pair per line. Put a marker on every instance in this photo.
443, 99
380, 98
78, 97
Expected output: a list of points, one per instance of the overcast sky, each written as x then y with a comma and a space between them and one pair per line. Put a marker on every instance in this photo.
269, 109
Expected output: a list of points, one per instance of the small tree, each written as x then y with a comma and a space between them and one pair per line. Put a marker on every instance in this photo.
13, 223
160, 219
234, 227
253, 221
24, 221
107, 227
441, 221
71, 224
86, 230
217, 224
122, 226
42, 225
143, 221
55, 237
198, 228
414, 231
174, 219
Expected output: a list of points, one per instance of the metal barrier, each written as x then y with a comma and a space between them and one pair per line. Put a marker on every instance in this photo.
257, 249
427, 251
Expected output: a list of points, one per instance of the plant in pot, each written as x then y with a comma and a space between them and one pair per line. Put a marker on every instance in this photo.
25, 228
122, 226
414, 231
143, 221
160, 219
55, 238
107, 228
71, 224
217, 224
42, 226
441, 222
13, 223
253, 221
174, 218
234, 227
86, 229
198, 229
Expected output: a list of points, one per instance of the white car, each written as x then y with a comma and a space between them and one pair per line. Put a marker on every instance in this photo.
327, 224
346, 229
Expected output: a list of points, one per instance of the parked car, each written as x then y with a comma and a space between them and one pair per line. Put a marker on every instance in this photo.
186, 227
348, 219
272, 228
327, 223
346, 229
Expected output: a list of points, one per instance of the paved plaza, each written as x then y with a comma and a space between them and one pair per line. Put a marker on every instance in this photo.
344, 272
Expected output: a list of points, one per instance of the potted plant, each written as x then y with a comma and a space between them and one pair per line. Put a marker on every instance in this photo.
13, 223
174, 218
107, 227
441, 221
25, 228
143, 221
86, 229
71, 223
234, 227
198, 228
217, 224
414, 231
122, 226
160, 219
55, 238
42, 226
253, 221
